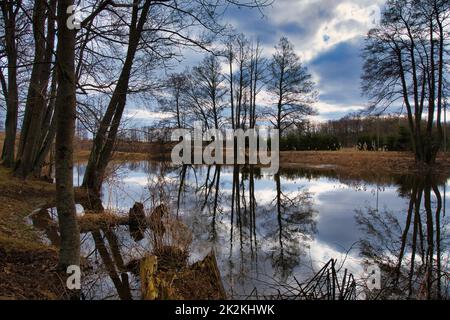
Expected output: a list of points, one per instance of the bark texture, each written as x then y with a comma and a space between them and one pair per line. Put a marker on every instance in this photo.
65, 128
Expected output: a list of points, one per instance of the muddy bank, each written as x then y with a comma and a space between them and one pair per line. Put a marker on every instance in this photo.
26, 264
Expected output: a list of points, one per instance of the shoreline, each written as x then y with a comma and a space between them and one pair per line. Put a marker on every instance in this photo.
347, 161
26, 260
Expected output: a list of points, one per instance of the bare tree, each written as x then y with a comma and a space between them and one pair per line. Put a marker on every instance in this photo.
38, 110
207, 91
246, 81
65, 114
176, 103
230, 54
292, 87
109, 125
257, 78
405, 63
9, 86
242, 56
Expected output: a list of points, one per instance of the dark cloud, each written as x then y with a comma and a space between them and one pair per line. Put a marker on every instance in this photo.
327, 34
339, 70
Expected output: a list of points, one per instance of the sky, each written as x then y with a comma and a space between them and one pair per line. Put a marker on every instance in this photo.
328, 35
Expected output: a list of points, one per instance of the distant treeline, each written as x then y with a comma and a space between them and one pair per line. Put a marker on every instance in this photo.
375, 132
389, 133
309, 141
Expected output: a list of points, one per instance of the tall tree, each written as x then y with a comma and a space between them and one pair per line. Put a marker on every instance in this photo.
9, 11
246, 80
257, 77
405, 62
65, 114
109, 125
207, 91
230, 55
292, 88
38, 109
242, 79
175, 104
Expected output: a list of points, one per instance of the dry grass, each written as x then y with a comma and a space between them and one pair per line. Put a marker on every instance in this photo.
106, 219
176, 279
358, 162
347, 161
26, 264
19, 198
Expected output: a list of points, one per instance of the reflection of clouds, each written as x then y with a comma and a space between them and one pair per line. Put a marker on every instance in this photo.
141, 181
320, 253
145, 180
265, 196
334, 200
320, 187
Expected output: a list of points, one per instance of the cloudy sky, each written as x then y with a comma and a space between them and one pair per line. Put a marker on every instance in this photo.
327, 34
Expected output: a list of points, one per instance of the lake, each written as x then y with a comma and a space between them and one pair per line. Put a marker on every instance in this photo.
270, 233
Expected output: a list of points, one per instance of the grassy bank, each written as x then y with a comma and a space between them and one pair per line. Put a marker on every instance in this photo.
359, 162
26, 264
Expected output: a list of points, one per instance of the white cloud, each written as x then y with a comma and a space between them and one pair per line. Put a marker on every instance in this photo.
144, 114
323, 107
326, 23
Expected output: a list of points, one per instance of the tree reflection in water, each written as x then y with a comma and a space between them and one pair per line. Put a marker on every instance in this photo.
295, 228
262, 226
281, 227
410, 247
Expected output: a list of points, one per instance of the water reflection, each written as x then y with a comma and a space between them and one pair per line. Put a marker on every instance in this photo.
113, 261
270, 233
294, 229
411, 246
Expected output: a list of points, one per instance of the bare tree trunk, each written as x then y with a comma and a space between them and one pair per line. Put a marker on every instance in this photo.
230, 63
33, 124
106, 135
10, 90
69, 253
48, 133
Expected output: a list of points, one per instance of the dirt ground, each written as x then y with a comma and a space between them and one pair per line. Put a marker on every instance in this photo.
26, 265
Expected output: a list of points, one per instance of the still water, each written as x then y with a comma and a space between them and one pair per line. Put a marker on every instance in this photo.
271, 232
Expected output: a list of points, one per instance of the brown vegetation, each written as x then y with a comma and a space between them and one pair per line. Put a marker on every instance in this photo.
358, 162
178, 281
26, 265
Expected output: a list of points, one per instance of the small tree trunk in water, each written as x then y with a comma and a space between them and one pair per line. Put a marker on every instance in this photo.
69, 253
106, 135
